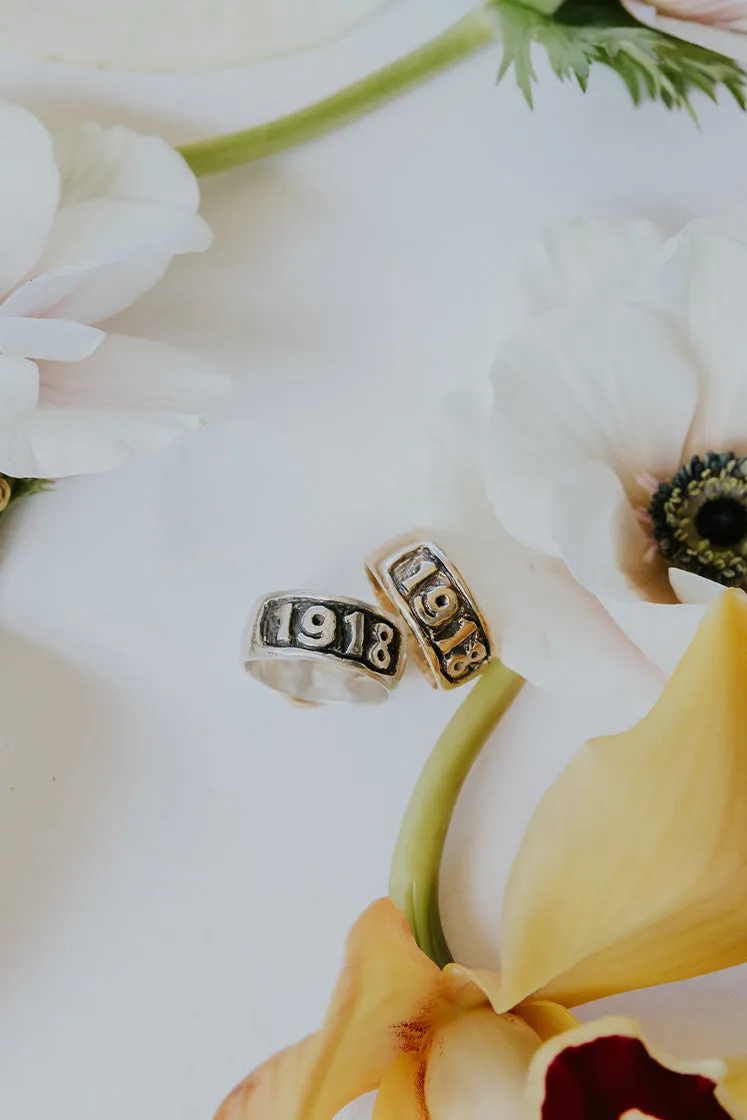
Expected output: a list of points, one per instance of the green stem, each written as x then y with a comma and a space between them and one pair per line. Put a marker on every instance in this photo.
416, 864
475, 30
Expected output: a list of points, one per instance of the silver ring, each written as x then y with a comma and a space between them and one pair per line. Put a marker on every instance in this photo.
322, 649
416, 578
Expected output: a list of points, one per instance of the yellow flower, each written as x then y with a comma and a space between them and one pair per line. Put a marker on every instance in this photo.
427, 1039
606, 1071
633, 872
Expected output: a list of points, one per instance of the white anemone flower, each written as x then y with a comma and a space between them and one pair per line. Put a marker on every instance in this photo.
175, 34
602, 504
90, 218
719, 25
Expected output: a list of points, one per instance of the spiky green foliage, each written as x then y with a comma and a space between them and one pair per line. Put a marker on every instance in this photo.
24, 487
578, 33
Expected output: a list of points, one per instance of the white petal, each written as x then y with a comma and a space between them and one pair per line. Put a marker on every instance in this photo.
478, 1068
547, 627
103, 254
29, 190
53, 442
587, 260
19, 389
117, 163
130, 397
614, 384
138, 373
175, 34
733, 44
662, 631
129, 203
694, 589
56, 340
717, 323
600, 539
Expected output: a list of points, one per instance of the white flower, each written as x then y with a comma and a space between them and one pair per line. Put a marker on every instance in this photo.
635, 362
719, 25
89, 220
175, 34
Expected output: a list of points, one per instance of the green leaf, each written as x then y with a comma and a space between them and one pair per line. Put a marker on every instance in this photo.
576, 34
19, 488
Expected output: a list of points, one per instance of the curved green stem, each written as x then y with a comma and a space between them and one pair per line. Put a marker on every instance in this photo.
477, 29
416, 863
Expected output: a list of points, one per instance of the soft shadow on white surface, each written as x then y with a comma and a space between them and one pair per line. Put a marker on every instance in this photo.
60, 769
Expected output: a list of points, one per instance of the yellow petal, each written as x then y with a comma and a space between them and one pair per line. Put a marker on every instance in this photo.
386, 1001
607, 1066
478, 1067
546, 1018
633, 871
733, 1090
401, 1093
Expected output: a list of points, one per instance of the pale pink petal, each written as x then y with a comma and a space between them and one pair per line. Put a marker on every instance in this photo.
29, 191
720, 12
58, 340
130, 397
693, 589
613, 384
126, 372
102, 254
601, 540
732, 43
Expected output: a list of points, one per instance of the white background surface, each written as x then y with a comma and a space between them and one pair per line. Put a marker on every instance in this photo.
181, 852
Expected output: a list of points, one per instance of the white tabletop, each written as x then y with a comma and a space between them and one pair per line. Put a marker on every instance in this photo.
181, 852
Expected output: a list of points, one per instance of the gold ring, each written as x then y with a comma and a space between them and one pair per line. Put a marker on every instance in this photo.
417, 578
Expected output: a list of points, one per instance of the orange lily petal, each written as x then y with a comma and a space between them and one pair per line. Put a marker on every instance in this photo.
607, 1069
386, 1001
478, 1067
633, 871
401, 1093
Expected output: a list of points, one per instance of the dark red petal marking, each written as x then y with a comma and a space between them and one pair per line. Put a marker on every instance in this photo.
605, 1078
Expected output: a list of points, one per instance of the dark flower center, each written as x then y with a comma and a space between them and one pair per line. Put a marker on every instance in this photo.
722, 521
609, 1076
699, 518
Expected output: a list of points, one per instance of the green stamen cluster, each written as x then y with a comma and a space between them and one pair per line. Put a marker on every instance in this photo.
700, 518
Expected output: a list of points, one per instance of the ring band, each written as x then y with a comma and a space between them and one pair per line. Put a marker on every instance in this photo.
322, 649
419, 580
